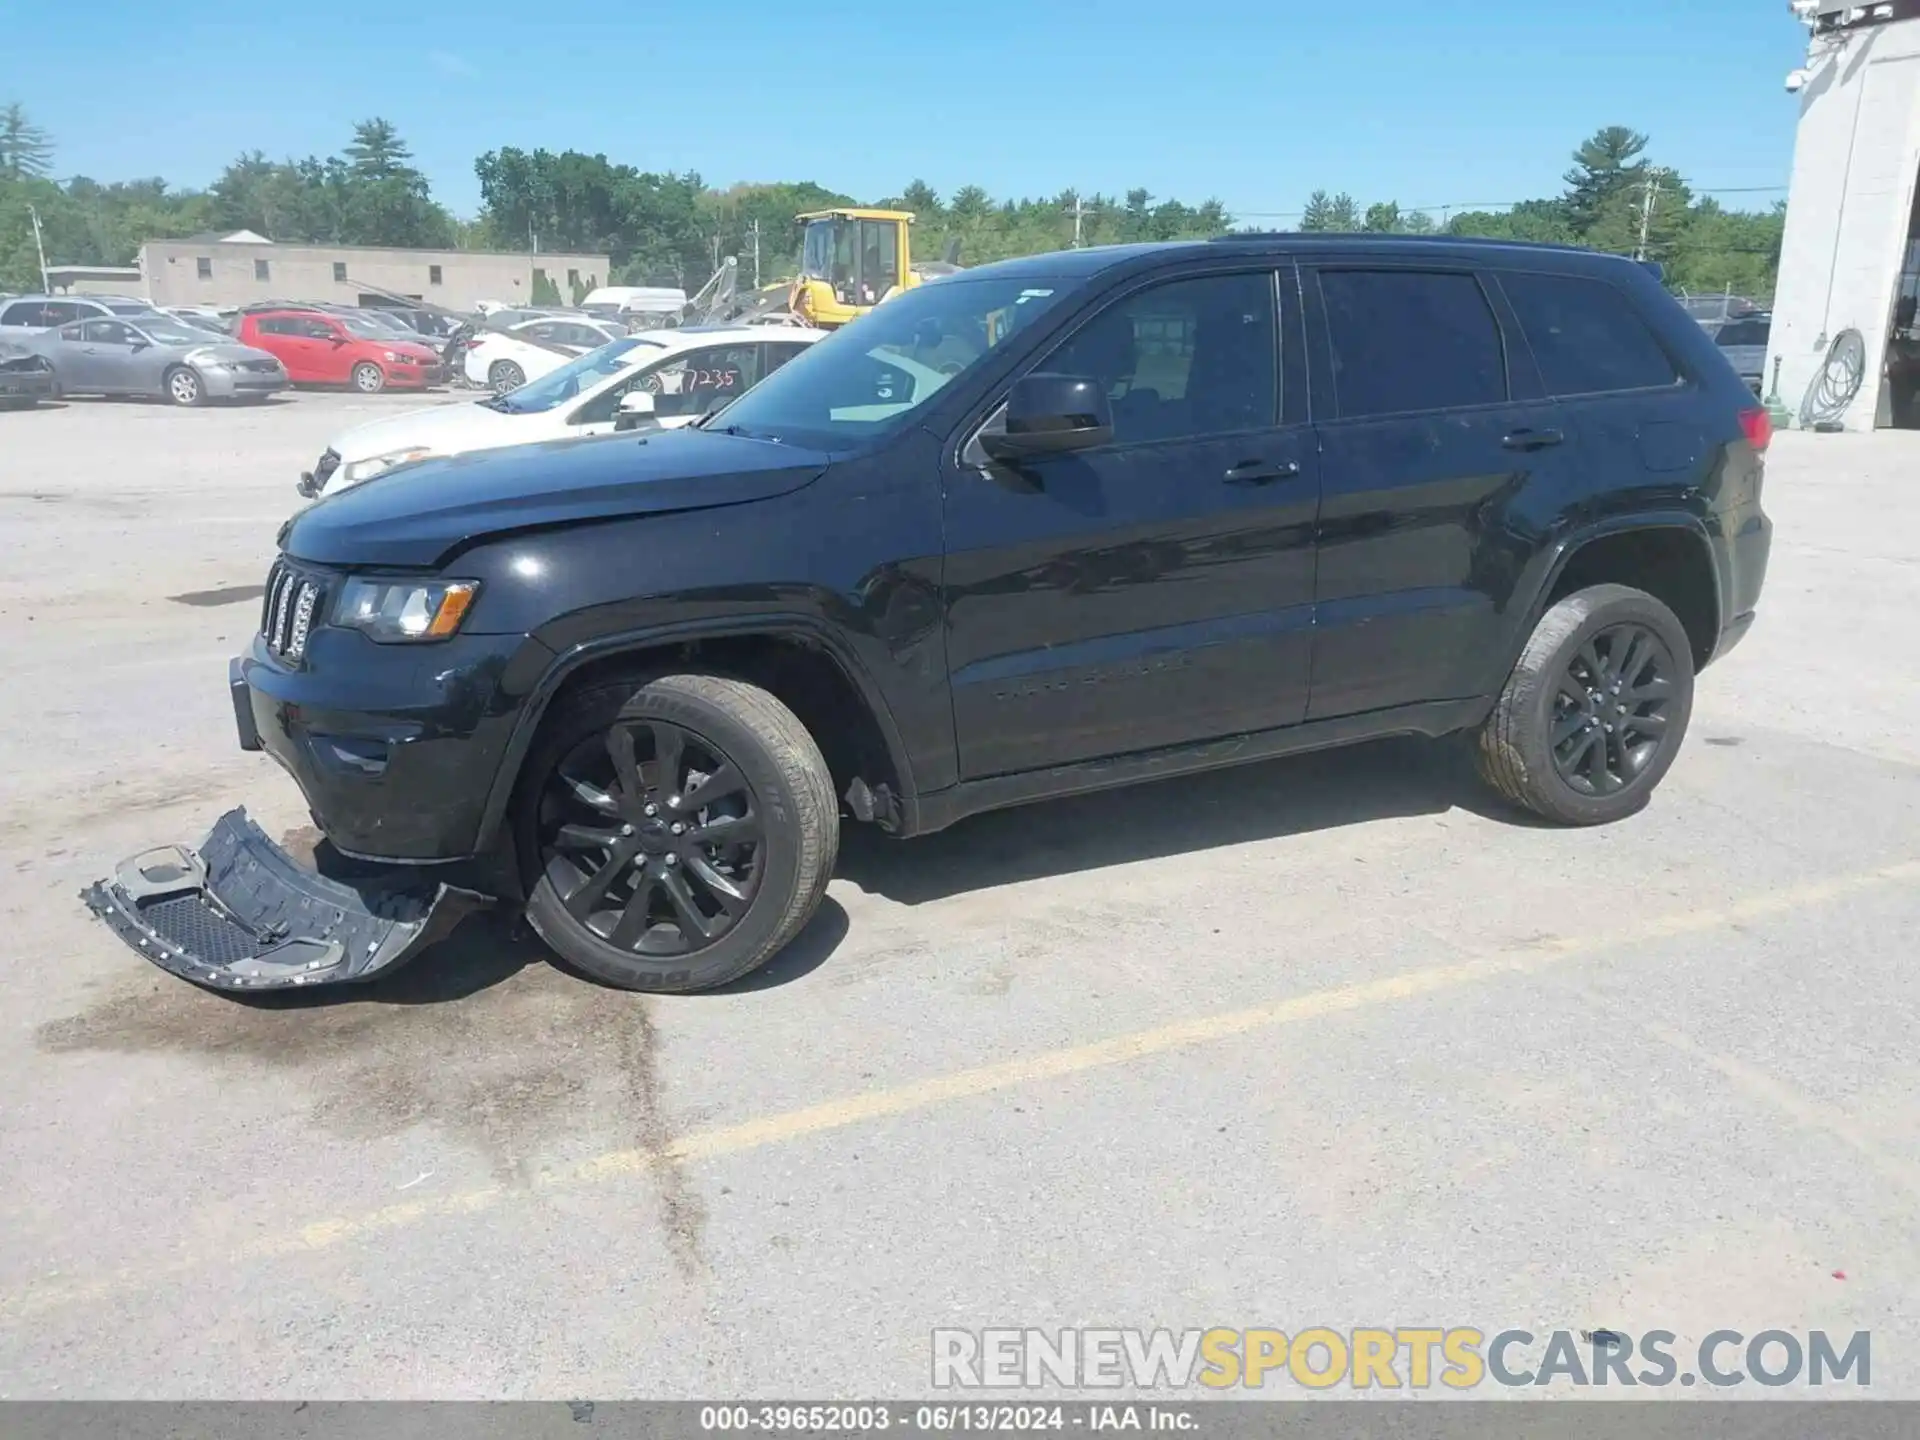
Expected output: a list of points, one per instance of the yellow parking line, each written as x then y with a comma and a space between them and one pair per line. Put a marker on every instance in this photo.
918, 1095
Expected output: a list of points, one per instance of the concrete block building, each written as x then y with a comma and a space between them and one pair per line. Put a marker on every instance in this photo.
1844, 336
242, 267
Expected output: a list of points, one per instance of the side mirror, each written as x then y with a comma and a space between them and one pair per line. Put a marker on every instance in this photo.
139, 342
1051, 415
636, 406
337, 339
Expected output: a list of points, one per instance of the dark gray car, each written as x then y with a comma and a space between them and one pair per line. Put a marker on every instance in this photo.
1744, 342
159, 356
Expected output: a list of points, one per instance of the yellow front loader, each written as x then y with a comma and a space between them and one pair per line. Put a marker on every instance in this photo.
850, 261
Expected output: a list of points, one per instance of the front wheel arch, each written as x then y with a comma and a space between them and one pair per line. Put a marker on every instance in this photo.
722, 647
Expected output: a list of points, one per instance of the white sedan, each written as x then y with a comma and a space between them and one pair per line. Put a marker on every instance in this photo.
664, 378
501, 360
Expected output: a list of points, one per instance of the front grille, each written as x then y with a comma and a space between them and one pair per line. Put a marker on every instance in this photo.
288, 611
329, 462
259, 367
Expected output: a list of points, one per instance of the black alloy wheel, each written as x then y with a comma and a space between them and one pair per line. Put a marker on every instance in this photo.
652, 838
1610, 709
1595, 709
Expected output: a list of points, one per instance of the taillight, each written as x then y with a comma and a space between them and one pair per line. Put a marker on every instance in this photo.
1757, 426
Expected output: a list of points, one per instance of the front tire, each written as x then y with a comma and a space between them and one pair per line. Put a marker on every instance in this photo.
678, 831
505, 375
1594, 713
184, 387
369, 378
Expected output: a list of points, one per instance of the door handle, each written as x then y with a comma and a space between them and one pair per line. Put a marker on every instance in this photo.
1262, 472
1533, 439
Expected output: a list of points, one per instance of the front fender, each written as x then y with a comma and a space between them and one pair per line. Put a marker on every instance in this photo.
808, 629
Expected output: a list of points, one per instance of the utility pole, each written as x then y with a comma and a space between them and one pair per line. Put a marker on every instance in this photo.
755, 228
40, 244
1079, 213
1647, 201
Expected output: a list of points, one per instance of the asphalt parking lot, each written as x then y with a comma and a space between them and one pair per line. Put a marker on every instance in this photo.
1332, 1041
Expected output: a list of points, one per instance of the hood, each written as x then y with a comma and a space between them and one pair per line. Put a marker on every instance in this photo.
447, 428
419, 515
406, 347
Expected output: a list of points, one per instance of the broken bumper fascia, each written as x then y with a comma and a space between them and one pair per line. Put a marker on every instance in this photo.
240, 913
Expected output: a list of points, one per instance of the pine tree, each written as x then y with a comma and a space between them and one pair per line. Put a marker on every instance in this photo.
26, 151
1609, 164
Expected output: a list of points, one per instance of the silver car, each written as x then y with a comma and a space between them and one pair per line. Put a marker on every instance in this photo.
157, 355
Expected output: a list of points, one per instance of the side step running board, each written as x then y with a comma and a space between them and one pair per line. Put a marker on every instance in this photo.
240, 913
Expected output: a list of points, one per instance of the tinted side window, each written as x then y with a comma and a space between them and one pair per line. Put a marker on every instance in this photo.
1182, 360
1743, 332
1408, 340
106, 332
1586, 335
270, 326
60, 312
24, 312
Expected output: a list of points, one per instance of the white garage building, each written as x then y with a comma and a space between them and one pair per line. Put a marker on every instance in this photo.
1844, 337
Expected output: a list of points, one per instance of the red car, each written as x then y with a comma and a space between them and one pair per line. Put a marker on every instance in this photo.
320, 348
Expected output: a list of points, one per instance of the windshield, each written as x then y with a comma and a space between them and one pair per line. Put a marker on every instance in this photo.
816, 254
868, 378
205, 323
172, 332
131, 307
574, 378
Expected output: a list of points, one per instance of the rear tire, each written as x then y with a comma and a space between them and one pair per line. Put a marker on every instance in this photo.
1594, 713
184, 386
369, 378
505, 375
622, 894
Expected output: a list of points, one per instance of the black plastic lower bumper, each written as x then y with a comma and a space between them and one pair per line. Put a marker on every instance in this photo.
240, 913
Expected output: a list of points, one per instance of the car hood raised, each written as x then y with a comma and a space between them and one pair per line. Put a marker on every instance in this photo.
449, 429
420, 514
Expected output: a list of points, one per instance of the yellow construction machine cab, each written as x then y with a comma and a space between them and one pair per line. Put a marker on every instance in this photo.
850, 261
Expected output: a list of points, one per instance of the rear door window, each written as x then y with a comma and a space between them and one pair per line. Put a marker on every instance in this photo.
1586, 335
24, 312
61, 312
1405, 341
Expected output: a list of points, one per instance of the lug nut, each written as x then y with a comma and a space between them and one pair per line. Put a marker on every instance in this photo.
679, 829
653, 810
673, 859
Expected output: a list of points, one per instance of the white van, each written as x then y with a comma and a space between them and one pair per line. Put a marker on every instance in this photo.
621, 301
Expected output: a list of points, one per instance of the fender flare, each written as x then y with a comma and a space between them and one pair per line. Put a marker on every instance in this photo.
1559, 553
791, 626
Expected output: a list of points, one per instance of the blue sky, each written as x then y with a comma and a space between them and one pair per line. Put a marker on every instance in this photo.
1256, 102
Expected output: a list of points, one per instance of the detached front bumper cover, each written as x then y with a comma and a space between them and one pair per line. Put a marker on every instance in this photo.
240, 913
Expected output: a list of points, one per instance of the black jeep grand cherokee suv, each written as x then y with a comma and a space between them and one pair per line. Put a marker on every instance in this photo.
1045, 526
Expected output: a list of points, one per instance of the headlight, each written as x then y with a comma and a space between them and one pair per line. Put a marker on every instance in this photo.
394, 611
354, 471
206, 360
392, 359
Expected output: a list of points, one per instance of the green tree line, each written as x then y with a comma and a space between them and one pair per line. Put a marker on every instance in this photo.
673, 228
